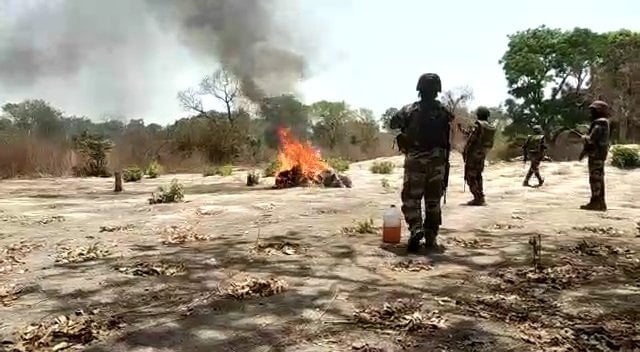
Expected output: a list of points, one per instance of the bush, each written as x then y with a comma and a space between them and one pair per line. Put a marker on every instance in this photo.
253, 178
338, 164
132, 174
272, 168
174, 193
625, 157
154, 170
225, 170
382, 167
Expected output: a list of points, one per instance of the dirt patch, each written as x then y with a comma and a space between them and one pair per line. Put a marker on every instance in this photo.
65, 332
254, 287
159, 268
504, 226
401, 315
49, 219
560, 277
10, 294
67, 255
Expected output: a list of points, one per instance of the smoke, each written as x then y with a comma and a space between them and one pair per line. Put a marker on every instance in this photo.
109, 53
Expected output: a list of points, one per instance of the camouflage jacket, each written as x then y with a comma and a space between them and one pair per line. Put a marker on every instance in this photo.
480, 141
597, 139
424, 126
534, 147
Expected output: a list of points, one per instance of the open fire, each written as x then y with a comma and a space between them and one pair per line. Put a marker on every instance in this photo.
301, 165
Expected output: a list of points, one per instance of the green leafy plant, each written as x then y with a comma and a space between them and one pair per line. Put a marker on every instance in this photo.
625, 157
382, 167
132, 174
272, 168
338, 164
211, 170
172, 194
94, 148
154, 169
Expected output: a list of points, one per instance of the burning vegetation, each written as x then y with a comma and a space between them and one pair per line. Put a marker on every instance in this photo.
302, 165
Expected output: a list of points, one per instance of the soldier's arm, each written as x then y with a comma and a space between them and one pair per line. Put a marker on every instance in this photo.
398, 119
595, 135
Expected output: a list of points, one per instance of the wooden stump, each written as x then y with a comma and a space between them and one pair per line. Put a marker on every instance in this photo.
118, 176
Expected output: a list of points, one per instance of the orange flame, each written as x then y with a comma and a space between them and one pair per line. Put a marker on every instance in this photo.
292, 152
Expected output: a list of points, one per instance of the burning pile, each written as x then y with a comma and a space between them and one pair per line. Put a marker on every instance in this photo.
301, 165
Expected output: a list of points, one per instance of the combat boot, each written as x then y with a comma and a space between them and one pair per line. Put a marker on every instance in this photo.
597, 206
414, 241
477, 202
431, 244
525, 183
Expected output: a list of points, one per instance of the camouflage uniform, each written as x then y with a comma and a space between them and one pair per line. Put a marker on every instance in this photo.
534, 150
475, 152
597, 148
424, 140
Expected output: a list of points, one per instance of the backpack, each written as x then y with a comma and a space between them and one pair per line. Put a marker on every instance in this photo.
487, 135
534, 144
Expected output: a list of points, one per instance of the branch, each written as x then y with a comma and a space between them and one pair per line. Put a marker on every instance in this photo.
190, 100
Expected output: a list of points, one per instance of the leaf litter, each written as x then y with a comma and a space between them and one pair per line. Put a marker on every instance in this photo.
253, 287
66, 332
601, 230
402, 314
116, 228
81, 254
181, 234
593, 248
472, 243
411, 265
278, 248
159, 268
11, 256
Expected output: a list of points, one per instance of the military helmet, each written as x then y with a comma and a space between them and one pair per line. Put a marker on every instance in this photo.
482, 113
429, 80
537, 129
600, 106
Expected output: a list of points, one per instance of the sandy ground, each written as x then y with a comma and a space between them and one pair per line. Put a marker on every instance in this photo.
481, 294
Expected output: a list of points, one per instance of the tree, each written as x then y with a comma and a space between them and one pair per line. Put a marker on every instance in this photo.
546, 59
284, 111
457, 98
221, 84
386, 117
95, 148
35, 117
330, 121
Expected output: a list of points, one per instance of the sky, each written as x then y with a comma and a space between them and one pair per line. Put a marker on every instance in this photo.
368, 53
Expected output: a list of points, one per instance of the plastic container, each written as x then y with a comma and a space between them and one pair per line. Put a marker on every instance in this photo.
391, 225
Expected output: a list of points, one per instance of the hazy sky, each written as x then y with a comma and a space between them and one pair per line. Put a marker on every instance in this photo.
367, 52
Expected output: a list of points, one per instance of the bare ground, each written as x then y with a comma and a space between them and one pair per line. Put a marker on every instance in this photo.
172, 274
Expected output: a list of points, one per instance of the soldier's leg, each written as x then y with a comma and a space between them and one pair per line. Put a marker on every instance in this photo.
412, 194
596, 181
434, 190
529, 174
535, 165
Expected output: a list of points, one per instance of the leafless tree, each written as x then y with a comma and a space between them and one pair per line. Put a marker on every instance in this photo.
221, 84
457, 98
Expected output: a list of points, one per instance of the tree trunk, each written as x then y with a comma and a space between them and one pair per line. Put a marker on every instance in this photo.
118, 181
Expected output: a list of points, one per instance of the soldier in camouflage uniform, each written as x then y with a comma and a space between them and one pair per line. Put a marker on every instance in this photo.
475, 152
533, 150
596, 147
425, 141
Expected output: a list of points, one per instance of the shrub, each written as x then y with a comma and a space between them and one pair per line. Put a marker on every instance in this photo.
225, 170
272, 168
154, 170
132, 174
625, 157
382, 167
253, 178
173, 193
94, 148
338, 164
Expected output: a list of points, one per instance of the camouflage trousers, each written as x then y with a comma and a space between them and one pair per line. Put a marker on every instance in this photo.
423, 180
473, 169
596, 179
534, 169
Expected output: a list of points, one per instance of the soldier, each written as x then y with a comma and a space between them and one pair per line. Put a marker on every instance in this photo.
425, 141
596, 147
534, 150
475, 153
